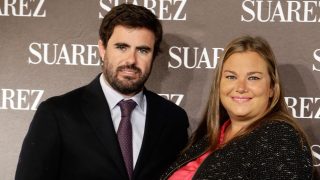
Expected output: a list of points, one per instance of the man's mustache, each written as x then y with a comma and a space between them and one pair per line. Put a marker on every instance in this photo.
131, 67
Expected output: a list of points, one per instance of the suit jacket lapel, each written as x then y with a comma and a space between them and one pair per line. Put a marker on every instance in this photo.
97, 112
153, 129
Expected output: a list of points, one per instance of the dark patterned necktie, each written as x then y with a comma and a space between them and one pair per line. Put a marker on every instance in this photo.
125, 133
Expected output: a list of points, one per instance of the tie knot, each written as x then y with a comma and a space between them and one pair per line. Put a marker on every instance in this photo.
126, 107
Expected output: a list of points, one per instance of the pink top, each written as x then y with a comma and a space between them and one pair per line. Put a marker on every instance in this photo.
187, 171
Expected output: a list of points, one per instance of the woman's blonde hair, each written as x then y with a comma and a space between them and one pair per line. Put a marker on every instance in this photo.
216, 114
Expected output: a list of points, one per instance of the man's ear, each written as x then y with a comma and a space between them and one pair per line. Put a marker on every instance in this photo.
102, 49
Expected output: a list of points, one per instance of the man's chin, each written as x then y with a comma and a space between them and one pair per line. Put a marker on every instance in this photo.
127, 82
128, 90
127, 87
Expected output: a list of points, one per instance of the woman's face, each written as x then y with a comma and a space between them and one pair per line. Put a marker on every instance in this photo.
245, 86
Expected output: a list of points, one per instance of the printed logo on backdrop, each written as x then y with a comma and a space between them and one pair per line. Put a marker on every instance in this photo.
194, 57
164, 9
20, 99
304, 107
176, 98
316, 56
87, 55
280, 11
29, 99
22, 8
316, 154
65, 54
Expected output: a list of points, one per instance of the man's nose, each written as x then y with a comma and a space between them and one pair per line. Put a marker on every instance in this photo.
131, 57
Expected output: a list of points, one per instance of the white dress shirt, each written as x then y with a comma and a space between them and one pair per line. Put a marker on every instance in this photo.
138, 116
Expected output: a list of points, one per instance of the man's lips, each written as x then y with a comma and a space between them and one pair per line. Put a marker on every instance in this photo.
128, 71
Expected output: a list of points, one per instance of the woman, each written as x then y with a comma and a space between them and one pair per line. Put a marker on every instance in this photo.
247, 132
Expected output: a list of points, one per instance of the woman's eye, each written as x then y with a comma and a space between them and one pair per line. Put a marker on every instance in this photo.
253, 78
231, 77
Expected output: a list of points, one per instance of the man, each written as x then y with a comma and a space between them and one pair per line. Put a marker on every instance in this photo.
77, 135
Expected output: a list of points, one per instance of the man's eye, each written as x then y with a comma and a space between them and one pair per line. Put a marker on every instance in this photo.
121, 47
144, 51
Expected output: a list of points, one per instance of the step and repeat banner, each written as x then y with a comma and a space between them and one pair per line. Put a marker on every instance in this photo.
50, 47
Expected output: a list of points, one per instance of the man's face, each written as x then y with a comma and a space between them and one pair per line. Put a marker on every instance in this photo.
128, 58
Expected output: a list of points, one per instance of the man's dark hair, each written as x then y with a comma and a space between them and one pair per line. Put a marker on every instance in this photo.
134, 17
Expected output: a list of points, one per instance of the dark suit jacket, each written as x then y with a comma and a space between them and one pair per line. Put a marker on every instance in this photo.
72, 137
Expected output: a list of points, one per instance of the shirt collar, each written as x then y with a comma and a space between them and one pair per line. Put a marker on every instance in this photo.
114, 97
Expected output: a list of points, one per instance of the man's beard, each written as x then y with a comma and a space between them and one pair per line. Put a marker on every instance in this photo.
127, 85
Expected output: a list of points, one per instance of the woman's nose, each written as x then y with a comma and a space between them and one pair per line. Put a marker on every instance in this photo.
241, 86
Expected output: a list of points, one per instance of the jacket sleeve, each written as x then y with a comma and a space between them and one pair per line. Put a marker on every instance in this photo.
39, 156
284, 154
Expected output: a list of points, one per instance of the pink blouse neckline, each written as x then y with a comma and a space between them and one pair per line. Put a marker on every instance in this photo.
187, 171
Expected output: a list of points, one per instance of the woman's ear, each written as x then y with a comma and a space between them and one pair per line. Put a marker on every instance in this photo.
271, 93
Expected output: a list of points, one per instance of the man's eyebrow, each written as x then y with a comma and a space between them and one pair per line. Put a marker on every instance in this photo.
144, 47
122, 44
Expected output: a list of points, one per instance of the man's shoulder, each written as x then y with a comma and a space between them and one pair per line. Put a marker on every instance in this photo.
155, 99
68, 99
165, 109
76, 95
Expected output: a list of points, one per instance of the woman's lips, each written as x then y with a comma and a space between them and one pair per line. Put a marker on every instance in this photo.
241, 99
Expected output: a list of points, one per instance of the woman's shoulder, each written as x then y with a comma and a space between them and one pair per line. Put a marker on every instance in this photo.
277, 135
280, 144
278, 128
